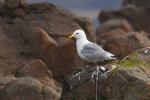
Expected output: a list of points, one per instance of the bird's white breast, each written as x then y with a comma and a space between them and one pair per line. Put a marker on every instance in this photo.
79, 44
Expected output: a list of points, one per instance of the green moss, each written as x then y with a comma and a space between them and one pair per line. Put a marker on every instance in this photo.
130, 61
115, 68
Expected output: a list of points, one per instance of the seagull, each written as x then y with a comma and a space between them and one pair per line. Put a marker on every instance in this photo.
90, 51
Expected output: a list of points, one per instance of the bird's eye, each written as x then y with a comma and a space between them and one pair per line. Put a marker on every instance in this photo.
77, 33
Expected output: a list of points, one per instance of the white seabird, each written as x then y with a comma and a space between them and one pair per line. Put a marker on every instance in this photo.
90, 51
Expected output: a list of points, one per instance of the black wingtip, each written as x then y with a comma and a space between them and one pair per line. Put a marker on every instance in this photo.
115, 56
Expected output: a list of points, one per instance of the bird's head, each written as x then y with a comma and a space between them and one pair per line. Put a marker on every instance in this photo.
78, 34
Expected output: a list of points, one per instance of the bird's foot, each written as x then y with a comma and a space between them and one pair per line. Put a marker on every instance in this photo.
96, 72
105, 73
90, 65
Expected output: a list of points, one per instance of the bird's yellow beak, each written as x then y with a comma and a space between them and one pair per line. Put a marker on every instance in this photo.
71, 36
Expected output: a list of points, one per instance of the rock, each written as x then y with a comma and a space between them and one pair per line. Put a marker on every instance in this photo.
40, 31
140, 20
29, 89
1, 3
138, 3
126, 44
18, 20
139, 37
127, 81
10, 67
19, 13
13, 4
50, 93
36, 69
103, 37
3, 82
114, 24
7, 19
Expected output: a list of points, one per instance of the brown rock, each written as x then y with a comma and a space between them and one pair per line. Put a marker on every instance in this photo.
19, 13
10, 67
114, 24
18, 20
102, 38
13, 4
28, 89
42, 33
7, 19
140, 20
3, 82
1, 3
50, 93
140, 37
129, 78
36, 69
126, 44
138, 3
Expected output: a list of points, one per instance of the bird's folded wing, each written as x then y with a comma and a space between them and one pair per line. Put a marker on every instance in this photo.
93, 51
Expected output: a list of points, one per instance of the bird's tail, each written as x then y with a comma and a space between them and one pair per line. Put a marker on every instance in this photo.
115, 56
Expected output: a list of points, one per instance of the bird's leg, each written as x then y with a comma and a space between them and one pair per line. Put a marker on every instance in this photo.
104, 74
102, 69
90, 65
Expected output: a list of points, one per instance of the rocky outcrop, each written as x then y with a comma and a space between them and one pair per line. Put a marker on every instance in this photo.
123, 30
41, 31
28, 88
129, 80
102, 38
114, 24
11, 70
137, 17
112, 28
125, 44
138, 3
13, 4
36, 53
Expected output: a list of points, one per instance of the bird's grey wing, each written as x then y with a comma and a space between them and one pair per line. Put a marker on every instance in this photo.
92, 51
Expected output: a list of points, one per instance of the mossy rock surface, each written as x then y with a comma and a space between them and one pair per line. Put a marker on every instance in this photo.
130, 80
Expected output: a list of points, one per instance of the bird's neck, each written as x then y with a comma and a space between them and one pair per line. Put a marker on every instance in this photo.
80, 42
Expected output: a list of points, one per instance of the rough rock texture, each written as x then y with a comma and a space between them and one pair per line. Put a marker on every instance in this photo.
129, 80
41, 31
10, 67
114, 24
138, 3
35, 45
125, 44
102, 38
138, 18
33, 68
129, 18
13, 4
36, 69
3, 82
29, 89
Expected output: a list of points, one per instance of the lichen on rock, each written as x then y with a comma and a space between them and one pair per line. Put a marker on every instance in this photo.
129, 80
